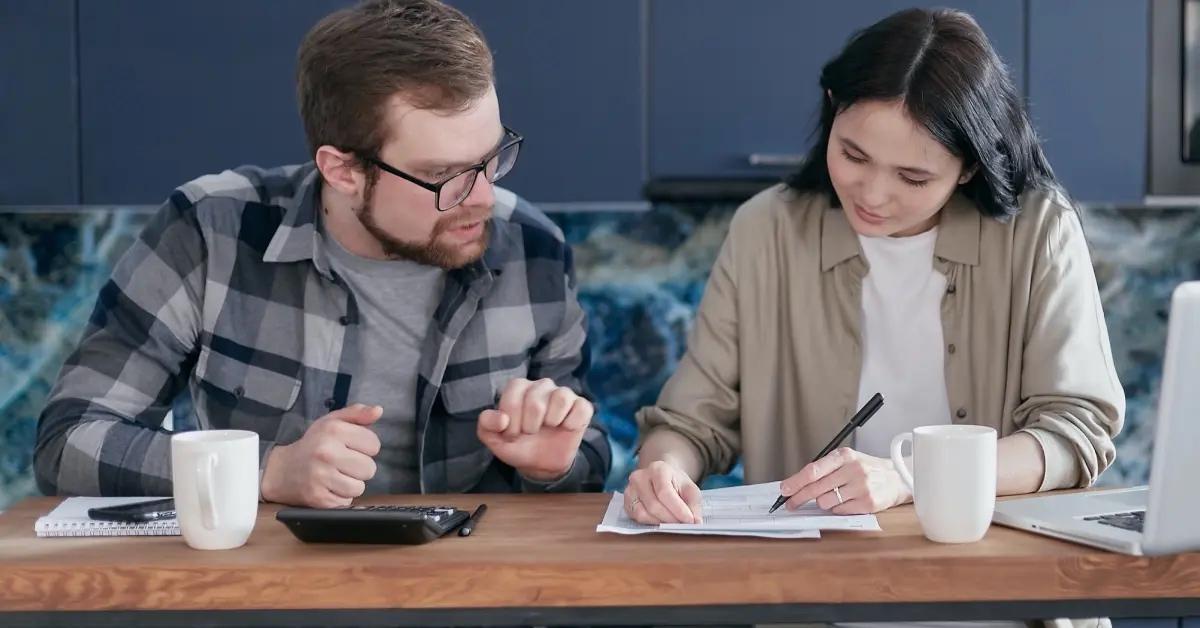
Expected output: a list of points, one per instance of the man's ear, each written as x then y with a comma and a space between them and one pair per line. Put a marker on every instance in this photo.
340, 171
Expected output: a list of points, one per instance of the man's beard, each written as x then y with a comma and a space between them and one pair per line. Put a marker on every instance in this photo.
431, 252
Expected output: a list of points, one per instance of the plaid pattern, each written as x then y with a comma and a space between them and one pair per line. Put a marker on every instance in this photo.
227, 296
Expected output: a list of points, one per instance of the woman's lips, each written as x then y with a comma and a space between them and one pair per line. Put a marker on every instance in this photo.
868, 217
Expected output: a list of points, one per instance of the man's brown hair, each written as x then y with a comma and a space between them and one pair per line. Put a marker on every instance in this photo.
353, 61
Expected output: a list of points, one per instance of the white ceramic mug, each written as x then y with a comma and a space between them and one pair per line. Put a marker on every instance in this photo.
215, 473
953, 479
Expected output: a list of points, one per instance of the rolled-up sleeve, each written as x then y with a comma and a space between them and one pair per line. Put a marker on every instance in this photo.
1071, 399
101, 431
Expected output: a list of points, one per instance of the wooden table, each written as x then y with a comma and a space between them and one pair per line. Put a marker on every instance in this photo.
536, 560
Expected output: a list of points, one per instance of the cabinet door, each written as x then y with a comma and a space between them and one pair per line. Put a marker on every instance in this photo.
1142, 622
1088, 89
39, 119
569, 78
174, 90
731, 80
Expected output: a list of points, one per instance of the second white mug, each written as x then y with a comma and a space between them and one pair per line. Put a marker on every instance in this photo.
953, 479
215, 473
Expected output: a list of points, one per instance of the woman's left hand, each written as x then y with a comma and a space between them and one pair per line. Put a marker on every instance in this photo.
847, 482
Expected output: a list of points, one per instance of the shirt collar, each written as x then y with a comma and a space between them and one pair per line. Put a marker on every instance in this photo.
958, 235
297, 238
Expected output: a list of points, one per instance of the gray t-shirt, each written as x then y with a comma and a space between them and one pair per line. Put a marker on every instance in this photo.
396, 301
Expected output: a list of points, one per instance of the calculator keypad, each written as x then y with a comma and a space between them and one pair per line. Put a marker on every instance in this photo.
437, 513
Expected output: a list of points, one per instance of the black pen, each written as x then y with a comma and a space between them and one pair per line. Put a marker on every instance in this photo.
867, 411
468, 526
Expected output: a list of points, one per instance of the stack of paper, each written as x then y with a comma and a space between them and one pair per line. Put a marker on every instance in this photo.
742, 511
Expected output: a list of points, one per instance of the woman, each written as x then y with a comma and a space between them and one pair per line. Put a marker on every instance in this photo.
924, 251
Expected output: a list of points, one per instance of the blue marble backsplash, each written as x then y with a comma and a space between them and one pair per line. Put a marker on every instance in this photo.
641, 276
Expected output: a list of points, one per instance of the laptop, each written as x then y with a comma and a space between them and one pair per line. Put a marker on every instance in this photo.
1161, 518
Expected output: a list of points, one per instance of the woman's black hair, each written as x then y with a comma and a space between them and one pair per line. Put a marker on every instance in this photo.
940, 64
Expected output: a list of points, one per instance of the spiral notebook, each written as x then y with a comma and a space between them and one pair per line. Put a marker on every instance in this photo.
70, 518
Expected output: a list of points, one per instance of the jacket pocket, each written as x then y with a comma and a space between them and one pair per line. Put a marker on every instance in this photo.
466, 393
245, 387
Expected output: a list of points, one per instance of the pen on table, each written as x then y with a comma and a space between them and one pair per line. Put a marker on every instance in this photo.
469, 525
867, 411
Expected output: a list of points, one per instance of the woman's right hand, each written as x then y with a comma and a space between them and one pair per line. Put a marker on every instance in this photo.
662, 493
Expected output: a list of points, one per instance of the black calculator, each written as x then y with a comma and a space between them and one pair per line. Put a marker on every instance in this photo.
404, 525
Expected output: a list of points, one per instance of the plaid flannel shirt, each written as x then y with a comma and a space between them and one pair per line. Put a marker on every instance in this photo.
227, 294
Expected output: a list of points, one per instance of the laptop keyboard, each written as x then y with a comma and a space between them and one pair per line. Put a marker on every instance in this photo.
1131, 521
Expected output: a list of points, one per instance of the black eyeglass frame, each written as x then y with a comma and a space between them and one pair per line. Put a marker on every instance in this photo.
511, 139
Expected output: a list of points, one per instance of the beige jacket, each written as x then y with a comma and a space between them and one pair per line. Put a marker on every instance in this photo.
773, 361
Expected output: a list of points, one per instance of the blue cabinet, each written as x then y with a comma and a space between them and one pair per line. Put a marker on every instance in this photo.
38, 115
569, 78
120, 101
1088, 92
731, 80
174, 90
1143, 622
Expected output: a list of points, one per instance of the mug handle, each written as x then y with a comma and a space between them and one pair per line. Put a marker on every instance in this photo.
898, 459
204, 484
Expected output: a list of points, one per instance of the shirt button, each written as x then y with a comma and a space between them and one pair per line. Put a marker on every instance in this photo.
962, 413
345, 320
329, 403
952, 349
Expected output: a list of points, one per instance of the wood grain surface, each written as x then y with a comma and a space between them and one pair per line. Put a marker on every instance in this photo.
543, 551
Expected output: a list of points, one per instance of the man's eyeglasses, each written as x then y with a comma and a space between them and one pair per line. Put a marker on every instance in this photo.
453, 190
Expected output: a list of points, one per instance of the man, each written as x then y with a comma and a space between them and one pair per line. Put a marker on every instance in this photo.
383, 317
